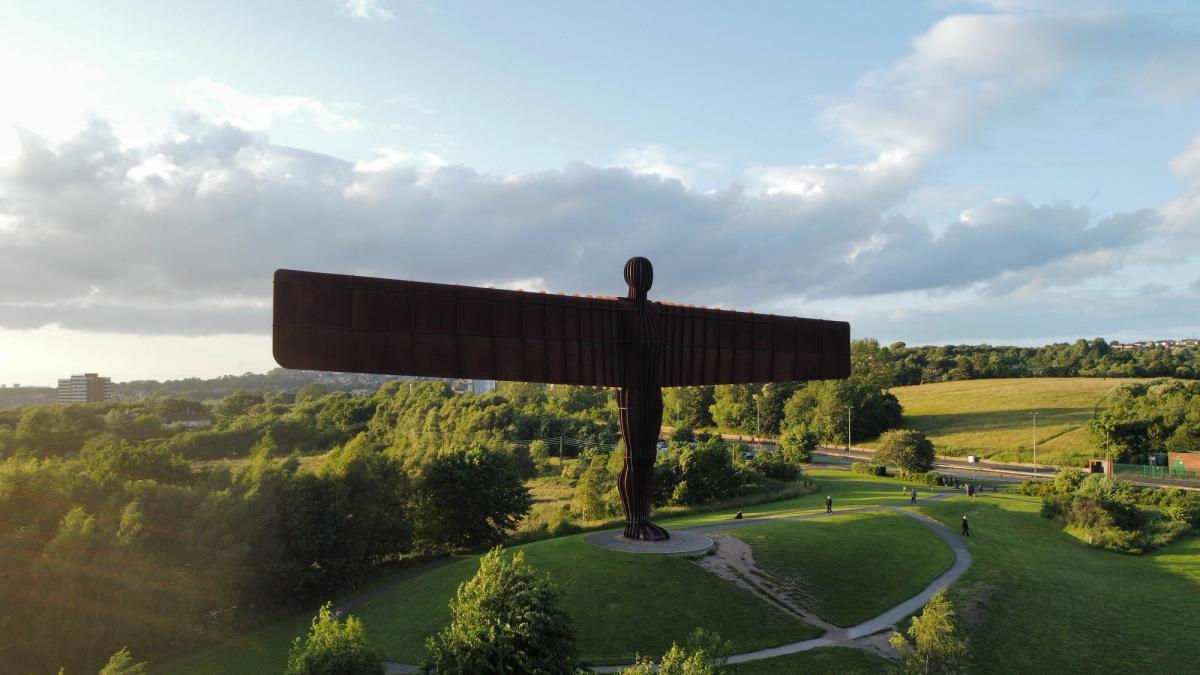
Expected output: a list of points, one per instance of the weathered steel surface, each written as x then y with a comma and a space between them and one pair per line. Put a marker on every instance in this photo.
367, 325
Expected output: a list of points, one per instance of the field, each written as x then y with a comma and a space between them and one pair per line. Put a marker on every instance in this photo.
991, 418
1035, 599
827, 557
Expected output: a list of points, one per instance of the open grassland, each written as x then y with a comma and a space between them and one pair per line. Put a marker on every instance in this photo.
1037, 600
850, 567
1034, 600
991, 418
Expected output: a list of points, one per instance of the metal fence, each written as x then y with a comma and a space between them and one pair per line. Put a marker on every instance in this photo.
1175, 470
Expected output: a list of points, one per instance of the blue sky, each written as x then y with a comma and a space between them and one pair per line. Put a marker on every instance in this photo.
1006, 171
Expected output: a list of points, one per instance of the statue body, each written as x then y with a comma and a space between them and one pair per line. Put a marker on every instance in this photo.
640, 402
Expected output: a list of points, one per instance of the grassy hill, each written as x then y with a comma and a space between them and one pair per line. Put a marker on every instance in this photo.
991, 418
1034, 600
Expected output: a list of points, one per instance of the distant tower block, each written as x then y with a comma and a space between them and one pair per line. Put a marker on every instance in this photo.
86, 388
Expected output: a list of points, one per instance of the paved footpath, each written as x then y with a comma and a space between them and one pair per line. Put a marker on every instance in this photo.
833, 636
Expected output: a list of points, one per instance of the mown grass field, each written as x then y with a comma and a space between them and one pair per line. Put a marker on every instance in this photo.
1034, 600
853, 567
991, 418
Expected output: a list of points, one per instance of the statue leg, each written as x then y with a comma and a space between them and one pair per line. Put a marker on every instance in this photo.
641, 419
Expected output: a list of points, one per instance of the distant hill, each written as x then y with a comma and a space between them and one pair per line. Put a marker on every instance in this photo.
991, 418
279, 379
17, 397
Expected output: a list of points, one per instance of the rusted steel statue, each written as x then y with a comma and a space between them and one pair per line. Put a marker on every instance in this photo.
367, 325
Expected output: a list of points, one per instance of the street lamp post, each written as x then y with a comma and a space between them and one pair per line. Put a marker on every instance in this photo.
847, 430
1035, 463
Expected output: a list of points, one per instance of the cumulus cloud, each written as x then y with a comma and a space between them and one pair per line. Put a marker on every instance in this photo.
366, 10
966, 69
181, 235
224, 104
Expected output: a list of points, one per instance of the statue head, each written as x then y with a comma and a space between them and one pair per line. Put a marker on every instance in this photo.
639, 274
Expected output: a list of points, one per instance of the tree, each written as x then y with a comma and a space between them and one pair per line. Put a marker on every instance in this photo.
333, 647
705, 654
122, 663
796, 444
539, 452
310, 392
594, 484
938, 650
469, 498
733, 407
506, 619
688, 406
906, 448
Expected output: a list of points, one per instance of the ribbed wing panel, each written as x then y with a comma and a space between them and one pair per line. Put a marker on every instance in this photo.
716, 346
366, 325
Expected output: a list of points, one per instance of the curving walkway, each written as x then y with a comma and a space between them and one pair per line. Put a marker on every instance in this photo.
854, 636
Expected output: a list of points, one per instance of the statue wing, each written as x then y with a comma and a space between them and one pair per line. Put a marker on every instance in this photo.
717, 346
367, 325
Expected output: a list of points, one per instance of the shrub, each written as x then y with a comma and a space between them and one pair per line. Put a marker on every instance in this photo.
505, 620
930, 478
122, 663
333, 648
906, 448
682, 434
704, 654
936, 647
775, 466
797, 444
868, 468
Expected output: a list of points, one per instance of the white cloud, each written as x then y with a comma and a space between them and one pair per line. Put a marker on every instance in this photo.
366, 10
670, 164
965, 69
181, 235
222, 103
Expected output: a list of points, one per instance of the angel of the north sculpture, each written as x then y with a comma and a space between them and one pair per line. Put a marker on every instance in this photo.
365, 325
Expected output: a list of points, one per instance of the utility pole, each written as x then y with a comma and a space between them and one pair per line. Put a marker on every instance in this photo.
1035, 464
847, 430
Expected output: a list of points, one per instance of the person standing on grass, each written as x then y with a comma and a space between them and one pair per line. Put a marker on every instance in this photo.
913, 497
966, 527
829, 504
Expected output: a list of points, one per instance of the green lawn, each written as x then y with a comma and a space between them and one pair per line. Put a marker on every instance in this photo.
854, 566
1034, 600
1038, 600
991, 418
823, 661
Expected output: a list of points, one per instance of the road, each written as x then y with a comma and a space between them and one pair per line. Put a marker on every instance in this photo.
958, 466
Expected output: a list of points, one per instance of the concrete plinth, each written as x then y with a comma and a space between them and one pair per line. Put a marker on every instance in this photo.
679, 543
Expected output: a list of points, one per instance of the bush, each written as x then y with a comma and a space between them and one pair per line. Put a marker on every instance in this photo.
333, 648
775, 466
936, 648
907, 449
704, 654
930, 478
122, 663
797, 444
505, 620
682, 435
868, 468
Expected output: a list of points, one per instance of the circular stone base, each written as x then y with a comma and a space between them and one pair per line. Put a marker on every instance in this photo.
680, 542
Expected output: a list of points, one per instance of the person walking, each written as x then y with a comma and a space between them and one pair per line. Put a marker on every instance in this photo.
829, 504
966, 527
913, 498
